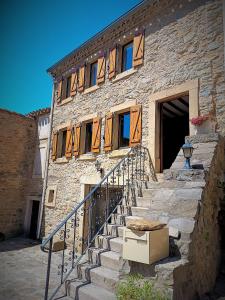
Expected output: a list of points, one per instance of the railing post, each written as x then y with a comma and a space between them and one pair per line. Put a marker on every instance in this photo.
48, 269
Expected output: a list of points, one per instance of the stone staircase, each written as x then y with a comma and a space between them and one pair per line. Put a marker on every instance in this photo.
188, 202
104, 266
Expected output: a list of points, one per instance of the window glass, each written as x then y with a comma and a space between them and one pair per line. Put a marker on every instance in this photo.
63, 152
93, 74
88, 139
127, 60
124, 129
68, 83
51, 196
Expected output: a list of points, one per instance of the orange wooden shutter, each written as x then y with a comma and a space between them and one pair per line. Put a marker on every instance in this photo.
76, 149
73, 86
59, 91
135, 125
54, 145
96, 135
101, 70
138, 51
69, 142
112, 63
108, 131
81, 79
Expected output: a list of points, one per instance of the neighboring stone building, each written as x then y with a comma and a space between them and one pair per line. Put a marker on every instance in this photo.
20, 167
141, 81
17, 144
35, 187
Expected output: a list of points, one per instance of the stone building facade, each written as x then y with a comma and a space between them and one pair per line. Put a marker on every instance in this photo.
23, 150
183, 56
176, 74
35, 186
18, 139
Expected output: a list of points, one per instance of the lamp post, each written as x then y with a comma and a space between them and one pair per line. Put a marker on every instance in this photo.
187, 151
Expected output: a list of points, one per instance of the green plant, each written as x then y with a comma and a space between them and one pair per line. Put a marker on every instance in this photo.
135, 287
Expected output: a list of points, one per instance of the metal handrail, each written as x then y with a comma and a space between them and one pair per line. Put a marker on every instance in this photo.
73, 214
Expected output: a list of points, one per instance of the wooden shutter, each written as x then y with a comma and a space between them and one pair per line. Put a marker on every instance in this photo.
138, 51
81, 79
135, 125
54, 145
96, 135
112, 63
73, 86
69, 142
59, 92
101, 70
108, 131
76, 149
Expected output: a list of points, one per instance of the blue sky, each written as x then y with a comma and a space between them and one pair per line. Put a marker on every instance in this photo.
35, 34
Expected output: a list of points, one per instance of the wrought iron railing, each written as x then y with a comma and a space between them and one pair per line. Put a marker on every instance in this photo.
70, 241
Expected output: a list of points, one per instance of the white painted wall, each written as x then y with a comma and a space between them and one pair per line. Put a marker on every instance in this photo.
43, 127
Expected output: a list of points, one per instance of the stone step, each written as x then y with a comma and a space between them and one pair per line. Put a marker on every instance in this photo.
118, 219
145, 212
184, 175
168, 193
112, 260
84, 271
90, 291
105, 278
172, 206
164, 269
107, 242
175, 184
94, 255
116, 245
120, 231
112, 229
123, 209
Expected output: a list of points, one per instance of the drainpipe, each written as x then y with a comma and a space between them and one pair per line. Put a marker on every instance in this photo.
46, 165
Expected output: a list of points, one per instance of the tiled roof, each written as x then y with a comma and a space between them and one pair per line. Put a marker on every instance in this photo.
39, 112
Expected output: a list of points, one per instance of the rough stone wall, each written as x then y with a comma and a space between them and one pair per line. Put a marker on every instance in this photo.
197, 276
182, 42
17, 144
205, 247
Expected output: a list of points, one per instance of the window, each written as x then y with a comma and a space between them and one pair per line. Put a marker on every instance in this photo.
63, 149
124, 129
68, 83
88, 137
127, 57
51, 196
93, 73
66, 87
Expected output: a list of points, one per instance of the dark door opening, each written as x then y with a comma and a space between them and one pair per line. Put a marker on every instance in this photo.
174, 126
34, 220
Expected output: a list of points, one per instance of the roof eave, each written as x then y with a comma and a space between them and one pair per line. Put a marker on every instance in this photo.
104, 30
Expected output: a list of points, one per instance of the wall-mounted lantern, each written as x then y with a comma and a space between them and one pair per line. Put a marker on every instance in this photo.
98, 166
187, 151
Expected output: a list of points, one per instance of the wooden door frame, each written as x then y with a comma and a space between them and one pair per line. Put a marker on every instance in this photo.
190, 88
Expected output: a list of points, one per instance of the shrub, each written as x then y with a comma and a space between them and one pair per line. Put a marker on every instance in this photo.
135, 287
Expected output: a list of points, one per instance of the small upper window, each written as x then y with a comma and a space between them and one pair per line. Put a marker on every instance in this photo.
63, 152
93, 73
127, 57
88, 138
66, 87
124, 129
68, 83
